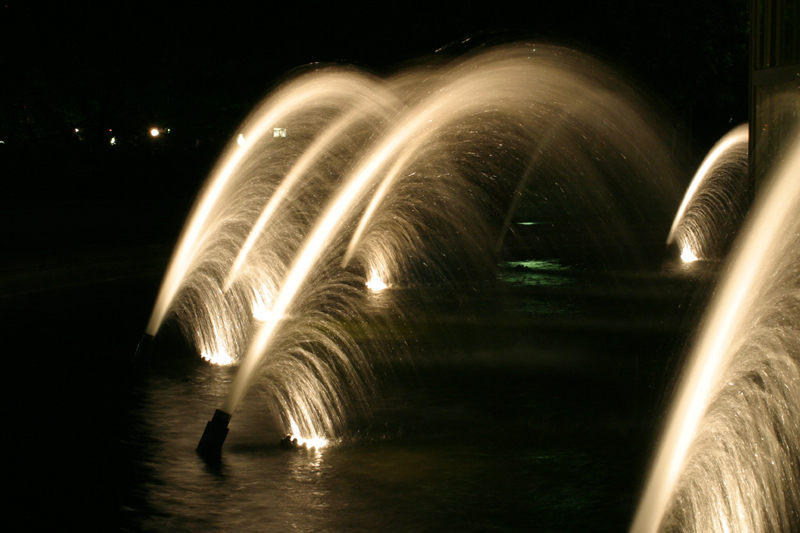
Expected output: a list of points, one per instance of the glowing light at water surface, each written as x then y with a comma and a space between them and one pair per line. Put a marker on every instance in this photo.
316, 442
688, 255
375, 283
220, 358
506, 84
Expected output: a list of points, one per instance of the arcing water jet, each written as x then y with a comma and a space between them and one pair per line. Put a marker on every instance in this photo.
329, 87
728, 459
715, 201
406, 174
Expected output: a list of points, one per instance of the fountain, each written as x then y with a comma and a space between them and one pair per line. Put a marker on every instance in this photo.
339, 181
728, 459
715, 201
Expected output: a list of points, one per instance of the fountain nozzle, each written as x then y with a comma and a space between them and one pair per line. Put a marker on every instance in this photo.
144, 347
210, 445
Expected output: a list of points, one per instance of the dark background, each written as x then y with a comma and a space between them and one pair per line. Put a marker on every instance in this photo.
198, 69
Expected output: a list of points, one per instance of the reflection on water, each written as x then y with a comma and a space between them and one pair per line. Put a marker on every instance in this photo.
497, 422
537, 272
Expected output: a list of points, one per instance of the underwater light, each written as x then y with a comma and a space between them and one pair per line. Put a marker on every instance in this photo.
688, 255
293, 441
375, 283
218, 358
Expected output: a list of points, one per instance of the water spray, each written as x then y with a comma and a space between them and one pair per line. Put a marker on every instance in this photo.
248, 231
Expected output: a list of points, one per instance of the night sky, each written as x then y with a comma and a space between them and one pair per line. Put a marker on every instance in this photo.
201, 68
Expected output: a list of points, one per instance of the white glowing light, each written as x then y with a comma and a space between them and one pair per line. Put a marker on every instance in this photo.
262, 306
240, 140
279, 132
155, 132
316, 442
688, 255
375, 283
76, 130
219, 358
112, 141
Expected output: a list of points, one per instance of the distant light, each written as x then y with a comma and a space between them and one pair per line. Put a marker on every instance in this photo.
2, 142
155, 132
113, 141
76, 130
240, 140
169, 130
688, 255
279, 132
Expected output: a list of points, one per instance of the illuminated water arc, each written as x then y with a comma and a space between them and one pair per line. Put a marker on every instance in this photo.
324, 86
380, 192
507, 81
375, 283
315, 442
737, 136
454, 99
514, 84
354, 189
746, 276
314, 246
372, 99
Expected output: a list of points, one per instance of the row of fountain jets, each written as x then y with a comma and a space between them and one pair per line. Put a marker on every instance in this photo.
377, 180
